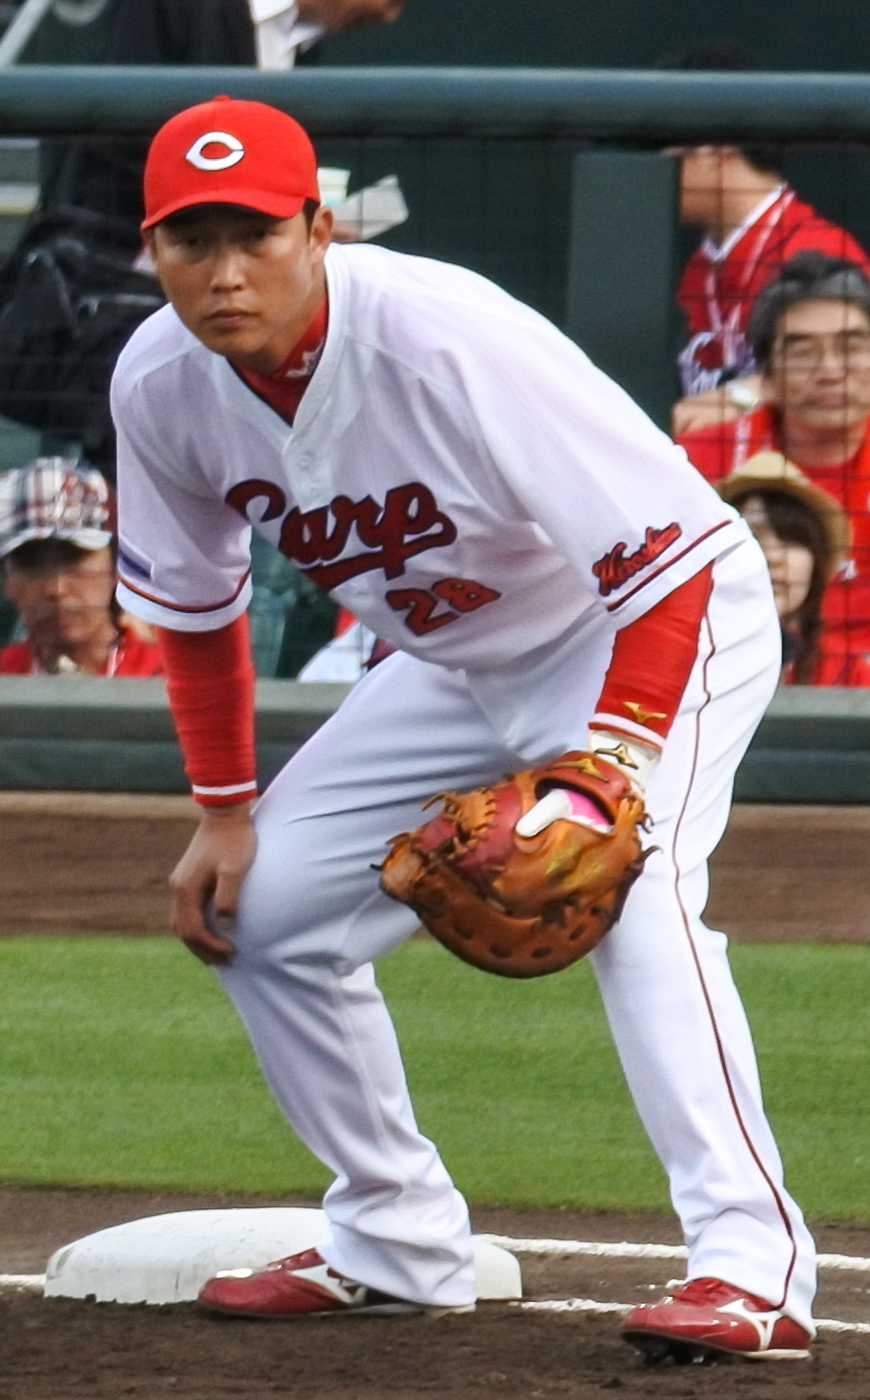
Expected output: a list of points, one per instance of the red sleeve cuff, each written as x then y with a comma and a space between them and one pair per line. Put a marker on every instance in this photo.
651, 663
210, 682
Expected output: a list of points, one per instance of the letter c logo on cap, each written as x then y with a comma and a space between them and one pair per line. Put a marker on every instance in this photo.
234, 151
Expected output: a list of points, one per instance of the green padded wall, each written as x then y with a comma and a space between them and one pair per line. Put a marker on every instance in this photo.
83, 733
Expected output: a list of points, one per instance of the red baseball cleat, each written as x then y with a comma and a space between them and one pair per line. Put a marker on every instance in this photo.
706, 1319
302, 1285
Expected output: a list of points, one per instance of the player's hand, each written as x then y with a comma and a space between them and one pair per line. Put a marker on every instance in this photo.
564, 804
206, 882
632, 758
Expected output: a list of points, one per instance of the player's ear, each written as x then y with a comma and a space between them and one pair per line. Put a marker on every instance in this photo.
320, 234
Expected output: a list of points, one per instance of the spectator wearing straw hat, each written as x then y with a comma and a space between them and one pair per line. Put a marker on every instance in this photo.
804, 534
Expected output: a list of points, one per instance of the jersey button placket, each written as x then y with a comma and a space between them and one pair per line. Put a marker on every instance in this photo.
304, 470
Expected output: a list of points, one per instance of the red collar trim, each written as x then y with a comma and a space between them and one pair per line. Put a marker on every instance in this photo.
303, 358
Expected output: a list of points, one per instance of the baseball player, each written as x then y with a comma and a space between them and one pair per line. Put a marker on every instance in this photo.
554, 576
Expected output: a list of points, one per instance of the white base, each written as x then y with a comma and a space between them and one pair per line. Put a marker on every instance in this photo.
167, 1258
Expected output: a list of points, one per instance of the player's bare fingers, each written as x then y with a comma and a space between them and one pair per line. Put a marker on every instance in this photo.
225, 902
213, 952
211, 948
229, 875
189, 925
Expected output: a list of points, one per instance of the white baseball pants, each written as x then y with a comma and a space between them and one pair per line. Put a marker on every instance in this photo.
312, 917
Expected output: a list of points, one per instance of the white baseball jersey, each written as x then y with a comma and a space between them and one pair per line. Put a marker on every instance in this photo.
459, 475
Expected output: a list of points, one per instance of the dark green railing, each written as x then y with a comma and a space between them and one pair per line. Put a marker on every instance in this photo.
641, 107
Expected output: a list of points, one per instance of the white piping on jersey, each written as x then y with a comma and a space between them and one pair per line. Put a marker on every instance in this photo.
613, 607
225, 791
177, 607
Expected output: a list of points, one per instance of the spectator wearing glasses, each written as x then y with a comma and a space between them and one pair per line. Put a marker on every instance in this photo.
57, 556
810, 333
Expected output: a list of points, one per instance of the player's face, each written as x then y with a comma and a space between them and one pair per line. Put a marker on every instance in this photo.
247, 285
819, 374
62, 594
339, 15
790, 564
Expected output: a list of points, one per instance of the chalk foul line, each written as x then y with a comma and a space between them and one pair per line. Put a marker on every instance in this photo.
568, 1249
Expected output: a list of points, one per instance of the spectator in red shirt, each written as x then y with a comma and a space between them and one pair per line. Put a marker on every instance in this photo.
810, 334
805, 537
57, 554
753, 222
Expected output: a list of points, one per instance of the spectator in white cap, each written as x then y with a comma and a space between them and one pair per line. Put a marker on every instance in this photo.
57, 554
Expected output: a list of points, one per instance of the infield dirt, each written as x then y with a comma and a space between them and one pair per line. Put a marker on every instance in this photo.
85, 863
58, 1349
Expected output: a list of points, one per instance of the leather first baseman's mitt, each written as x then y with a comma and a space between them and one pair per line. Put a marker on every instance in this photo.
522, 906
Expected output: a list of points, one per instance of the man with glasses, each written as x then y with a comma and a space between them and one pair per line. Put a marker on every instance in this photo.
57, 555
810, 333
754, 223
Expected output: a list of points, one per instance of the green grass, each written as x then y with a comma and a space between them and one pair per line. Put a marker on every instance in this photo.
808, 1007
123, 1064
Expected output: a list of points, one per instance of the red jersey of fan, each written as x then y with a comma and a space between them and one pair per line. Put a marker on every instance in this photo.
832, 668
720, 283
721, 449
130, 656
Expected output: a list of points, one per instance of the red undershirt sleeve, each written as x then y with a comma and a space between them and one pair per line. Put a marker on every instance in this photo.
651, 662
210, 683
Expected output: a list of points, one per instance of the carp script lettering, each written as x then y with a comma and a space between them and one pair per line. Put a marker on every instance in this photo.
407, 523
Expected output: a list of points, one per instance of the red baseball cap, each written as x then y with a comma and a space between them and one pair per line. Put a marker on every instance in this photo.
230, 152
